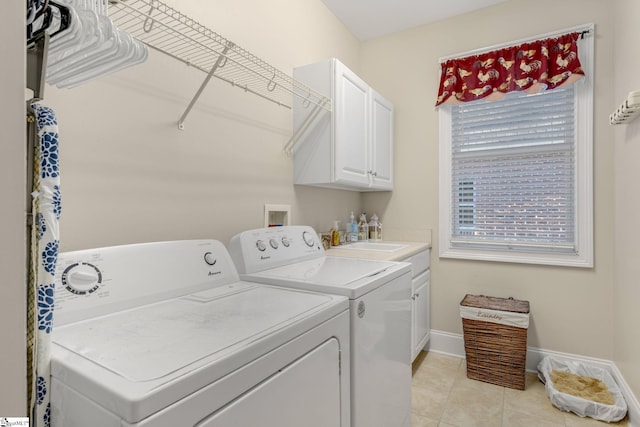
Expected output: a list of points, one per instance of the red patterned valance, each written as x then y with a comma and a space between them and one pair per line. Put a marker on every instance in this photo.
533, 67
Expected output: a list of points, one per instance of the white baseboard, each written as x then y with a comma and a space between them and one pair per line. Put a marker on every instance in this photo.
453, 345
446, 343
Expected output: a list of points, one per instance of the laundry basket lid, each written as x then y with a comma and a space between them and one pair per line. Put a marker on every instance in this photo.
495, 303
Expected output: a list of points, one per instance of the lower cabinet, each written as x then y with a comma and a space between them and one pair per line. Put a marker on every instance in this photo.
420, 312
420, 301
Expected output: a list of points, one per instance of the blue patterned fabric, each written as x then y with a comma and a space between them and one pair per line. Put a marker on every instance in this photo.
49, 207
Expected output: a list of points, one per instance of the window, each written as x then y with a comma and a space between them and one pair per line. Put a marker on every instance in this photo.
516, 175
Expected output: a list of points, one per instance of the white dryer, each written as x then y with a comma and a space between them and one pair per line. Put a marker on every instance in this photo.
165, 335
380, 312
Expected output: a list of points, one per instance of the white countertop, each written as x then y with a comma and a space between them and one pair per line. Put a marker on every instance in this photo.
410, 249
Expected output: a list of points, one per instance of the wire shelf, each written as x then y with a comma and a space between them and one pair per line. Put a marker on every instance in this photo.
167, 30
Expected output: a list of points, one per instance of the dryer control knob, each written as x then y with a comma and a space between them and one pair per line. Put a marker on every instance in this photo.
308, 238
286, 242
261, 246
273, 243
81, 278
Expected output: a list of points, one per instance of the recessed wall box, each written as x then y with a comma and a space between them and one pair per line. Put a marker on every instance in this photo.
277, 215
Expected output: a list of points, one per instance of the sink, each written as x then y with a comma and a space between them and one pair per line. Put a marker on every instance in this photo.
374, 246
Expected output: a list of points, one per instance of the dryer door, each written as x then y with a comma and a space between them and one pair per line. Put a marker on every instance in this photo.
304, 393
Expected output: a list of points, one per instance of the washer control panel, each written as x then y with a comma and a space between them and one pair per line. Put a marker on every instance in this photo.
99, 281
263, 248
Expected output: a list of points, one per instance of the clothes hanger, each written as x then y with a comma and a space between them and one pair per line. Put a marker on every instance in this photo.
84, 42
49, 11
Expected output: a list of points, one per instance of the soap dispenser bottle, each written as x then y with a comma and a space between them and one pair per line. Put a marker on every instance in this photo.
363, 228
352, 229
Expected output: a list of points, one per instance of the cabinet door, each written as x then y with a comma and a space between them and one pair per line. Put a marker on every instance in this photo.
421, 324
351, 131
381, 172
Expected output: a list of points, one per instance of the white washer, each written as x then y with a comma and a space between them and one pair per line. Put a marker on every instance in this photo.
165, 334
380, 312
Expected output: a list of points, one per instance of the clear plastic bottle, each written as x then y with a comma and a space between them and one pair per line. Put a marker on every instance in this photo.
335, 234
363, 228
374, 228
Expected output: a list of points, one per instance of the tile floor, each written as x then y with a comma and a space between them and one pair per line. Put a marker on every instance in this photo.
443, 396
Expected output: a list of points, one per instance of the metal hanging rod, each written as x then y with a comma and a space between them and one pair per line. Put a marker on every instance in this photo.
167, 30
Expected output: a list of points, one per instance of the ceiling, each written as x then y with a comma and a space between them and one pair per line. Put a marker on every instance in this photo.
368, 19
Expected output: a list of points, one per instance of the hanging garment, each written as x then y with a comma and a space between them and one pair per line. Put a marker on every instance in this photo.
44, 246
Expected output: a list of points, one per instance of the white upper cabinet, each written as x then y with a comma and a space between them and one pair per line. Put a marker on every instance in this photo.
381, 173
351, 127
350, 147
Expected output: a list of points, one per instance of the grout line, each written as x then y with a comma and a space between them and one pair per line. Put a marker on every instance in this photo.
453, 383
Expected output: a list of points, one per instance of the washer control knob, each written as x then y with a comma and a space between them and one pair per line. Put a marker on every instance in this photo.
308, 238
210, 258
286, 242
261, 246
81, 278
273, 243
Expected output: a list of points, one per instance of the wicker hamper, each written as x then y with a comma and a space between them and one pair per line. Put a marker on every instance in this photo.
495, 339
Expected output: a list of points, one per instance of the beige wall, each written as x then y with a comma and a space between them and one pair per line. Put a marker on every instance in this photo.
129, 175
626, 148
13, 398
572, 310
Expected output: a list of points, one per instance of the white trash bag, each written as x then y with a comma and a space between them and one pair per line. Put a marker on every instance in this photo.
582, 407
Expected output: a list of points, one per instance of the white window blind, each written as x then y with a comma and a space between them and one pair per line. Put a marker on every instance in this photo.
516, 174
513, 172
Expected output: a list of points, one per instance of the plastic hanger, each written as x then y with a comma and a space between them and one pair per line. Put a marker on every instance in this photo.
87, 44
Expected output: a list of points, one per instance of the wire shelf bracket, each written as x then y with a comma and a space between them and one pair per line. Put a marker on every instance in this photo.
167, 30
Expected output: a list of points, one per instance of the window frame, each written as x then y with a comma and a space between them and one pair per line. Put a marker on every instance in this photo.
583, 257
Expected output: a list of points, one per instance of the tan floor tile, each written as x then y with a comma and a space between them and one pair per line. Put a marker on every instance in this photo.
421, 421
428, 403
532, 401
474, 404
435, 362
435, 377
442, 361
432, 382
518, 419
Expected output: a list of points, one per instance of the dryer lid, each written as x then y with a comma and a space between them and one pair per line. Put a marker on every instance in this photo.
158, 340
137, 362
